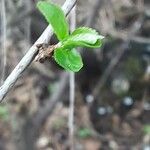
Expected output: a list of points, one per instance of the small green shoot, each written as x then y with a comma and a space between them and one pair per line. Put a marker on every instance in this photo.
66, 55
4, 114
84, 133
146, 129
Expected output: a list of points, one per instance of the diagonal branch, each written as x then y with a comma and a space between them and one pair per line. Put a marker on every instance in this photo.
30, 55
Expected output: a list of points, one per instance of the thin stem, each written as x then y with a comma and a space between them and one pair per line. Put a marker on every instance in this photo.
3, 30
72, 88
28, 6
71, 109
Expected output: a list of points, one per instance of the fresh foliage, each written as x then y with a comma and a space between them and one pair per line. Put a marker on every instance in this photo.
55, 17
146, 129
4, 114
84, 133
66, 55
83, 36
68, 59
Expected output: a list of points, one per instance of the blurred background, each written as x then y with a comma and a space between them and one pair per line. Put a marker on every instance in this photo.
112, 91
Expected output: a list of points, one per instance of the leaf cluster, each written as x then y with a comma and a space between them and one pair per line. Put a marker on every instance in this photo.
66, 54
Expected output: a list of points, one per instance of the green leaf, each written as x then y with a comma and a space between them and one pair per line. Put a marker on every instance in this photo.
55, 16
4, 113
146, 129
68, 59
84, 133
83, 36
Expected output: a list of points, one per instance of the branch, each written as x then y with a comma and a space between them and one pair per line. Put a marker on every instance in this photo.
30, 55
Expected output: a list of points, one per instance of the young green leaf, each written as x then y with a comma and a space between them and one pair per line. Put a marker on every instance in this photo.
68, 59
84, 30
83, 36
55, 16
